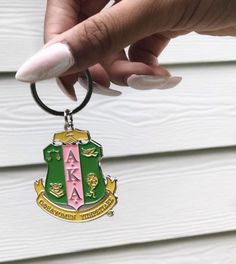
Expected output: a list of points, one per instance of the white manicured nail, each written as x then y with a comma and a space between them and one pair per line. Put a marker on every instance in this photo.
49, 62
172, 82
69, 92
146, 82
98, 88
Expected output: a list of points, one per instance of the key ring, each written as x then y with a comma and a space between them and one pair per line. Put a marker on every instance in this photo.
62, 113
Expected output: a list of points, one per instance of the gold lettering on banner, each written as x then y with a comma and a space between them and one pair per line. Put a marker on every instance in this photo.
103, 207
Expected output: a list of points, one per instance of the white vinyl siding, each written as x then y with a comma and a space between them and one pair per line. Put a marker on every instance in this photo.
173, 153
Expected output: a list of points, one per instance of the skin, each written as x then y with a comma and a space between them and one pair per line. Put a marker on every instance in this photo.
97, 39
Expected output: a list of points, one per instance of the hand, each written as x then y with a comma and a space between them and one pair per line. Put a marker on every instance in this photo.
97, 39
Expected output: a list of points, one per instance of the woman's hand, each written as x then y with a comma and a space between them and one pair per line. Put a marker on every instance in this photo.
90, 38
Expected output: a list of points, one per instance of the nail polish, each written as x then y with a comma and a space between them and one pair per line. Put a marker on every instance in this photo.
172, 82
98, 88
68, 91
146, 82
47, 63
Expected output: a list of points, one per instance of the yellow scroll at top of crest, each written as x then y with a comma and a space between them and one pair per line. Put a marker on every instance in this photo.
69, 137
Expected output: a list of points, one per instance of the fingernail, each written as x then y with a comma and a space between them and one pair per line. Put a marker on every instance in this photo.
172, 82
145, 82
98, 88
68, 91
47, 63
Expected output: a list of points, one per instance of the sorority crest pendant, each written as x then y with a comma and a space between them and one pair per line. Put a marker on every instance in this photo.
75, 189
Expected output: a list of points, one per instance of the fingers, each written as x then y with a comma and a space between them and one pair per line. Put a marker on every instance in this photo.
143, 60
99, 75
89, 8
95, 39
105, 33
80, 45
63, 15
66, 84
148, 49
119, 68
101, 81
88, 42
60, 16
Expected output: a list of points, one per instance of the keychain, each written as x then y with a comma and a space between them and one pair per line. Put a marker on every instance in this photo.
75, 189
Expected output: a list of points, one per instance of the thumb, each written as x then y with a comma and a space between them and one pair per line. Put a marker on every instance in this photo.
108, 32
94, 39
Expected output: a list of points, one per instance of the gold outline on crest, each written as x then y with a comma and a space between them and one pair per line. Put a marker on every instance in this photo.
101, 208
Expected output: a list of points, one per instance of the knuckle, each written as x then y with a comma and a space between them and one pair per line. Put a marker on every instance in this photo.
97, 34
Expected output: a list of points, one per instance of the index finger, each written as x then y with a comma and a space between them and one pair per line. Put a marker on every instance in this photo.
63, 15
60, 16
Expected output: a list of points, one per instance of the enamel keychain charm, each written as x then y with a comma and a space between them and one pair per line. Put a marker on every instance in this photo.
75, 189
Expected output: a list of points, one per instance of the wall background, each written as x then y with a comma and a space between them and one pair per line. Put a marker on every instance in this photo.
173, 153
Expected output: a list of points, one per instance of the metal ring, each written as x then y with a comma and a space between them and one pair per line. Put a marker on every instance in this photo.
61, 113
